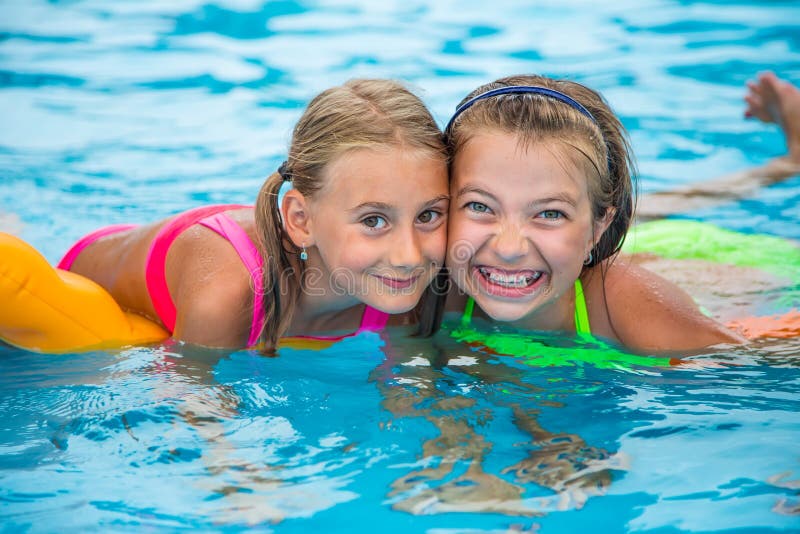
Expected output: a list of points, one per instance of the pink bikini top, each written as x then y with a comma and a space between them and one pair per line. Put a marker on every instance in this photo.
213, 218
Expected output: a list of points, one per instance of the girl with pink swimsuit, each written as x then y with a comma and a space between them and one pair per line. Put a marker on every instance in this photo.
349, 232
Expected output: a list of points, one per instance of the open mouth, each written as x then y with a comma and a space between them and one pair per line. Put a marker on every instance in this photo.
508, 283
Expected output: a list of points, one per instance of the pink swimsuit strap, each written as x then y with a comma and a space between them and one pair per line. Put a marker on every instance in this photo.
155, 264
69, 258
252, 260
373, 320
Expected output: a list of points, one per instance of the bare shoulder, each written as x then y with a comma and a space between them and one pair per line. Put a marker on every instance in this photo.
646, 312
211, 288
245, 218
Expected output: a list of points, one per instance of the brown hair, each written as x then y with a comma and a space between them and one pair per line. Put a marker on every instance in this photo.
534, 118
361, 113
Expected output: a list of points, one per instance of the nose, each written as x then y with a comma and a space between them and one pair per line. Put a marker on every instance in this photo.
405, 251
509, 243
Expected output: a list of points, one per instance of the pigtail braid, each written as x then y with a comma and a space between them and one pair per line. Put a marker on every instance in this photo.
278, 307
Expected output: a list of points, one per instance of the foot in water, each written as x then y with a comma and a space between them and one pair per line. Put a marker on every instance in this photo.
771, 99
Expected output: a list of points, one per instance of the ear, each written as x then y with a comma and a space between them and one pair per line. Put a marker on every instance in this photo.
601, 225
297, 221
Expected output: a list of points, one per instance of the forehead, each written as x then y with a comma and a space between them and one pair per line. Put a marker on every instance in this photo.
385, 174
500, 161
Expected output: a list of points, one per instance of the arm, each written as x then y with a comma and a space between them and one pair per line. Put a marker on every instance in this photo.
214, 318
211, 289
770, 100
710, 193
648, 313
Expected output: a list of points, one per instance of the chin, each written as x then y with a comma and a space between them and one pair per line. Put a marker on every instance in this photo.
503, 313
395, 306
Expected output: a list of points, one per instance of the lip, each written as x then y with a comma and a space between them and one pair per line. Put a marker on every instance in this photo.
398, 283
480, 275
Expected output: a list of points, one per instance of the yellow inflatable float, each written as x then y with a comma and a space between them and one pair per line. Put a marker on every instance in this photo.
44, 309
50, 310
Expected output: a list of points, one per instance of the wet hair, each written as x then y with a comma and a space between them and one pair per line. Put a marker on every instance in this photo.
600, 146
361, 113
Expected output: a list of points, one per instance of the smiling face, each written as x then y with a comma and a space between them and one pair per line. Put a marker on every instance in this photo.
379, 225
520, 228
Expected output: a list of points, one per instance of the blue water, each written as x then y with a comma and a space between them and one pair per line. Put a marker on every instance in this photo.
129, 111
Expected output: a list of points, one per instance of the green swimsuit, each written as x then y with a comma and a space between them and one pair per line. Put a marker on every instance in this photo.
545, 349
582, 327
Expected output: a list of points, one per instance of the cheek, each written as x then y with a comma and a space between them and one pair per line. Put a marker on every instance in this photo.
341, 248
356, 254
462, 240
436, 245
565, 247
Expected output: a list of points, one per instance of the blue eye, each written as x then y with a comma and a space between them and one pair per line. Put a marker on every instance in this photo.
551, 214
374, 221
478, 207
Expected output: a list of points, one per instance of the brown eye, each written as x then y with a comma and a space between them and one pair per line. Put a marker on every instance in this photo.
374, 221
427, 216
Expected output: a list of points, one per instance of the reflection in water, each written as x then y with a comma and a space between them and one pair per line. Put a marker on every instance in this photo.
258, 465
461, 396
389, 428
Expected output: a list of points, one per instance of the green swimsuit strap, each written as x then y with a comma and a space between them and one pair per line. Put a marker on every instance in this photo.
582, 327
466, 317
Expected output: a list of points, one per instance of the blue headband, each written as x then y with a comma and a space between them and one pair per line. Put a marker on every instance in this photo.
517, 90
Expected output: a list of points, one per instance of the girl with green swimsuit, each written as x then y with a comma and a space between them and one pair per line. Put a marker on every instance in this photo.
541, 201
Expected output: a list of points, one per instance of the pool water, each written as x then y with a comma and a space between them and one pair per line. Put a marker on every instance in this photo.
130, 111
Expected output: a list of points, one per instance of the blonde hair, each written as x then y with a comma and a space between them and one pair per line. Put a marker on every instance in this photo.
605, 151
361, 113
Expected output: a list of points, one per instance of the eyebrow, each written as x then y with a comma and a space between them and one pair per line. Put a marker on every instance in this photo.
472, 189
435, 200
380, 206
563, 197
383, 206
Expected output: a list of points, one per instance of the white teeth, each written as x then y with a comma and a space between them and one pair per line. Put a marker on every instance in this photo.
519, 280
